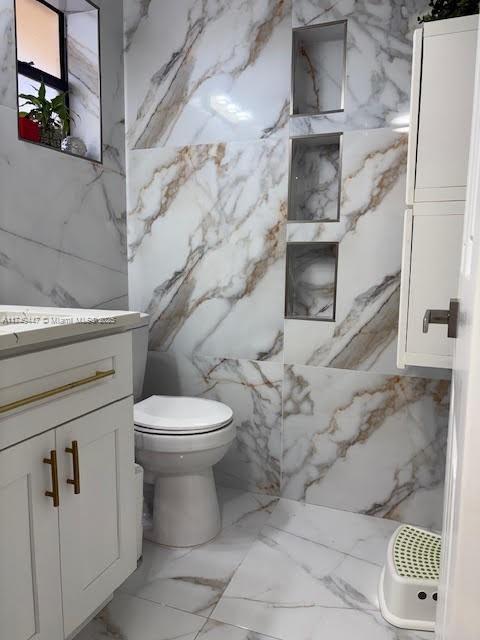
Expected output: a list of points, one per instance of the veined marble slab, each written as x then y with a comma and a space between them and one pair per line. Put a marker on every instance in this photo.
59, 201
378, 62
312, 574
367, 443
206, 71
206, 240
42, 276
194, 579
214, 630
132, 618
369, 233
32, 327
254, 392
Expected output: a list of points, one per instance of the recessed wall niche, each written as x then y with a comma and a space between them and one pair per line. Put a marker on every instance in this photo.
58, 75
311, 280
315, 174
318, 67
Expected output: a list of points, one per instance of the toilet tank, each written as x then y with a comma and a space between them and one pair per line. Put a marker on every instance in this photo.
139, 355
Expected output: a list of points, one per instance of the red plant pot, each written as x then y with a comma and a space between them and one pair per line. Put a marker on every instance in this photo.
29, 130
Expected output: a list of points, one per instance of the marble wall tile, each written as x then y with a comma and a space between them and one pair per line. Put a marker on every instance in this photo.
202, 71
378, 62
254, 392
367, 443
369, 233
35, 274
60, 201
206, 243
8, 87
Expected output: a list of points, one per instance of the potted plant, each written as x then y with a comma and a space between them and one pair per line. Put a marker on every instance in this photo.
52, 117
27, 128
442, 9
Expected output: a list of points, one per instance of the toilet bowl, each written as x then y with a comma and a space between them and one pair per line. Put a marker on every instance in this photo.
177, 442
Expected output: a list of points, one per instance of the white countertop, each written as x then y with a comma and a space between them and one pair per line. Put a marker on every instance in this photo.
23, 327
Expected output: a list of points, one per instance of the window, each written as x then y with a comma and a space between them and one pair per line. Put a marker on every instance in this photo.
41, 46
58, 75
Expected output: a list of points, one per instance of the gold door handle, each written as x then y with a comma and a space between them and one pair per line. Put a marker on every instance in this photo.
52, 461
53, 392
76, 467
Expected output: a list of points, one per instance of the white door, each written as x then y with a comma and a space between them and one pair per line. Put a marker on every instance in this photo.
97, 508
30, 597
458, 611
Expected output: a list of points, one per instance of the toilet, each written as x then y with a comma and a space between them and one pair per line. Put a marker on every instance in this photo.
177, 441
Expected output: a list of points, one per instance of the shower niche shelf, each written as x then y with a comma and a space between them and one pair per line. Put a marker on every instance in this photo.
318, 68
311, 281
315, 178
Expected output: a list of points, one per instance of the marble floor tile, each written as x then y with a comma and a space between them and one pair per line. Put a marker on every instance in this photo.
128, 618
214, 630
193, 579
312, 574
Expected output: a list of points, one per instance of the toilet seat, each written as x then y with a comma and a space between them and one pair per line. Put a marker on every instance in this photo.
180, 415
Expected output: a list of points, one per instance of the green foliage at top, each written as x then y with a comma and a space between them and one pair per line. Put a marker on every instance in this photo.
52, 114
442, 9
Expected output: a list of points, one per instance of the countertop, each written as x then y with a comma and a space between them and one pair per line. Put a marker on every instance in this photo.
30, 328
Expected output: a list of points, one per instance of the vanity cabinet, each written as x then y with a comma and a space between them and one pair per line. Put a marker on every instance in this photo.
443, 74
30, 600
67, 503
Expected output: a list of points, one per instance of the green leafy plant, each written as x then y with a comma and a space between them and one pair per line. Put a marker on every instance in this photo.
53, 116
442, 9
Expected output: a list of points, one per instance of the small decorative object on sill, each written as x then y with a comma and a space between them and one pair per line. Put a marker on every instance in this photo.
72, 144
52, 137
28, 129
443, 9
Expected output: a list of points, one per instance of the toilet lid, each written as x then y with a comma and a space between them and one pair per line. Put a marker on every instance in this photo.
180, 415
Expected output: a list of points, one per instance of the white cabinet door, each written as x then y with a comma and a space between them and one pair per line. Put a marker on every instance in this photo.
30, 596
446, 102
97, 524
434, 270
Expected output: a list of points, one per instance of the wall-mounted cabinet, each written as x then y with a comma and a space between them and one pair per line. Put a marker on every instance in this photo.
441, 110
318, 67
442, 102
315, 178
311, 280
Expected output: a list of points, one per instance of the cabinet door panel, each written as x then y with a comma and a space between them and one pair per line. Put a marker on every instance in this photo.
97, 525
445, 115
30, 601
435, 265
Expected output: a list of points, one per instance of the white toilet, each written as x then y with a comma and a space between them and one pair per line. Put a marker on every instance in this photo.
177, 442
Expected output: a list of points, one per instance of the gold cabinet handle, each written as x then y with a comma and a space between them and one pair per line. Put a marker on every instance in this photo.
52, 461
76, 467
53, 392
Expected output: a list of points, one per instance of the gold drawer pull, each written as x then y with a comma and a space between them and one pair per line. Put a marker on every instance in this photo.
53, 392
76, 467
52, 461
